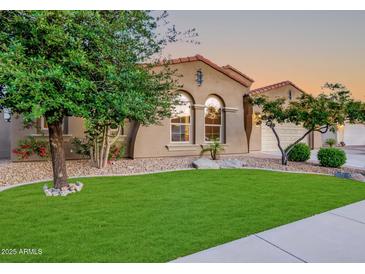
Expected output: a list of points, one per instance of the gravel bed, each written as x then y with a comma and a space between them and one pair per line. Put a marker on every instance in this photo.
22, 172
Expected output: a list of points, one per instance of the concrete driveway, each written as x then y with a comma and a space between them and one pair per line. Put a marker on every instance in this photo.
355, 156
336, 236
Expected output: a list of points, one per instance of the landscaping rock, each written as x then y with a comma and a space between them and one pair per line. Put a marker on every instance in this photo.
21, 172
204, 163
358, 177
230, 163
354, 176
47, 191
64, 191
344, 175
79, 186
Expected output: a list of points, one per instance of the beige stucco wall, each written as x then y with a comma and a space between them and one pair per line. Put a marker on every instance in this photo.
282, 92
4, 137
18, 132
154, 141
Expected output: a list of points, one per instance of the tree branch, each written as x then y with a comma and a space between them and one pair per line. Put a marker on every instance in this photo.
289, 148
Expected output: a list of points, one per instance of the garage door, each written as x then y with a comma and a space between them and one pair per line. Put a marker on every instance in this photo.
288, 134
354, 135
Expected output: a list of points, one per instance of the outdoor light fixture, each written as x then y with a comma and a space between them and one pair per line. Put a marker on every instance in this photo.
199, 77
256, 118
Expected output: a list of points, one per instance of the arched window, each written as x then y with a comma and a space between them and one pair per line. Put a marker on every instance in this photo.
181, 120
213, 119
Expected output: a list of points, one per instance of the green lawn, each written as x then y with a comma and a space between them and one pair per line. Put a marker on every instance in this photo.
159, 217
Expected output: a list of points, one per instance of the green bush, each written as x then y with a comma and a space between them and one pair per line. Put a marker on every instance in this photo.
299, 153
331, 157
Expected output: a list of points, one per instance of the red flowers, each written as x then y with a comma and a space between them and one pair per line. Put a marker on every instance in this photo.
42, 152
31, 146
116, 153
22, 154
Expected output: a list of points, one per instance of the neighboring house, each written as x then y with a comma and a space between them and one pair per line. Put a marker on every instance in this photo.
262, 137
216, 107
349, 134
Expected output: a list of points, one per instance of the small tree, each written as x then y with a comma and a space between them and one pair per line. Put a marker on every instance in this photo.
142, 95
70, 63
320, 114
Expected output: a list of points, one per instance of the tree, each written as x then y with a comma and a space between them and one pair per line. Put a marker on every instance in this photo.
142, 95
65, 63
315, 113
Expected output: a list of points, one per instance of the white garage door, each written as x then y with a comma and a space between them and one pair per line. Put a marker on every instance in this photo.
354, 135
288, 134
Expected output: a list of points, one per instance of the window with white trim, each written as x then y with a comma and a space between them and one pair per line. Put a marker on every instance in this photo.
181, 120
44, 125
213, 119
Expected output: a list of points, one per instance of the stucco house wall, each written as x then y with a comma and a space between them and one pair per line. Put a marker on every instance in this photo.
75, 128
231, 86
155, 140
4, 137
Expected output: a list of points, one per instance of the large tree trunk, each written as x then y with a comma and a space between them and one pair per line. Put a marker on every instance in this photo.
57, 154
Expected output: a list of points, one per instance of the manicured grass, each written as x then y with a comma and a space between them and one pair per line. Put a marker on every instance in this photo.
159, 217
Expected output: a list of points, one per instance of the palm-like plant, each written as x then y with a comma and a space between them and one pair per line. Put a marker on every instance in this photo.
330, 142
214, 148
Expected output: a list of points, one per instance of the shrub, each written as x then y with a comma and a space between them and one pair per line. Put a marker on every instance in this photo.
214, 148
30, 146
331, 157
116, 152
330, 142
81, 147
299, 153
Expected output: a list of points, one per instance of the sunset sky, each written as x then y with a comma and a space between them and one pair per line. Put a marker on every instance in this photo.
306, 47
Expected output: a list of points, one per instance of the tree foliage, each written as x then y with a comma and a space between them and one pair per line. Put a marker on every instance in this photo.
87, 64
315, 113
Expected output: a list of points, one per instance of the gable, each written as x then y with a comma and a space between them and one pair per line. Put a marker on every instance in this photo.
227, 70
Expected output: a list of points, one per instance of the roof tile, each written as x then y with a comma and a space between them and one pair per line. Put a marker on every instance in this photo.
274, 86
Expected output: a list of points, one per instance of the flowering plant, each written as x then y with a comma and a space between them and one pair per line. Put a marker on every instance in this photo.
31, 146
116, 153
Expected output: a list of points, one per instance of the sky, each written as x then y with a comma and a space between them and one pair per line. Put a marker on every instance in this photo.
308, 48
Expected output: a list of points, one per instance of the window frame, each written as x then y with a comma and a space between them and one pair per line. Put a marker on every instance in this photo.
190, 124
43, 123
65, 126
221, 125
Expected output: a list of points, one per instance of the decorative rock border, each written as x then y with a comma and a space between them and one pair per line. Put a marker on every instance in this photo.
64, 191
16, 174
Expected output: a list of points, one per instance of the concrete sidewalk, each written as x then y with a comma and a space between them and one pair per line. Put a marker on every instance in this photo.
336, 236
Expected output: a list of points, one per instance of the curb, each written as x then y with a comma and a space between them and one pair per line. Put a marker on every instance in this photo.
3, 188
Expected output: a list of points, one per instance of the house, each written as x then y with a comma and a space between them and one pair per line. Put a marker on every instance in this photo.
215, 107
349, 134
262, 137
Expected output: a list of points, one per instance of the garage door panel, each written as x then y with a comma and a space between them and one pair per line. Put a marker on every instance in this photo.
354, 135
288, 134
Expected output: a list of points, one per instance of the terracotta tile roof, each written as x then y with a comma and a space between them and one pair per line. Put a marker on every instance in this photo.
274, 86
238, 72
201, 58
